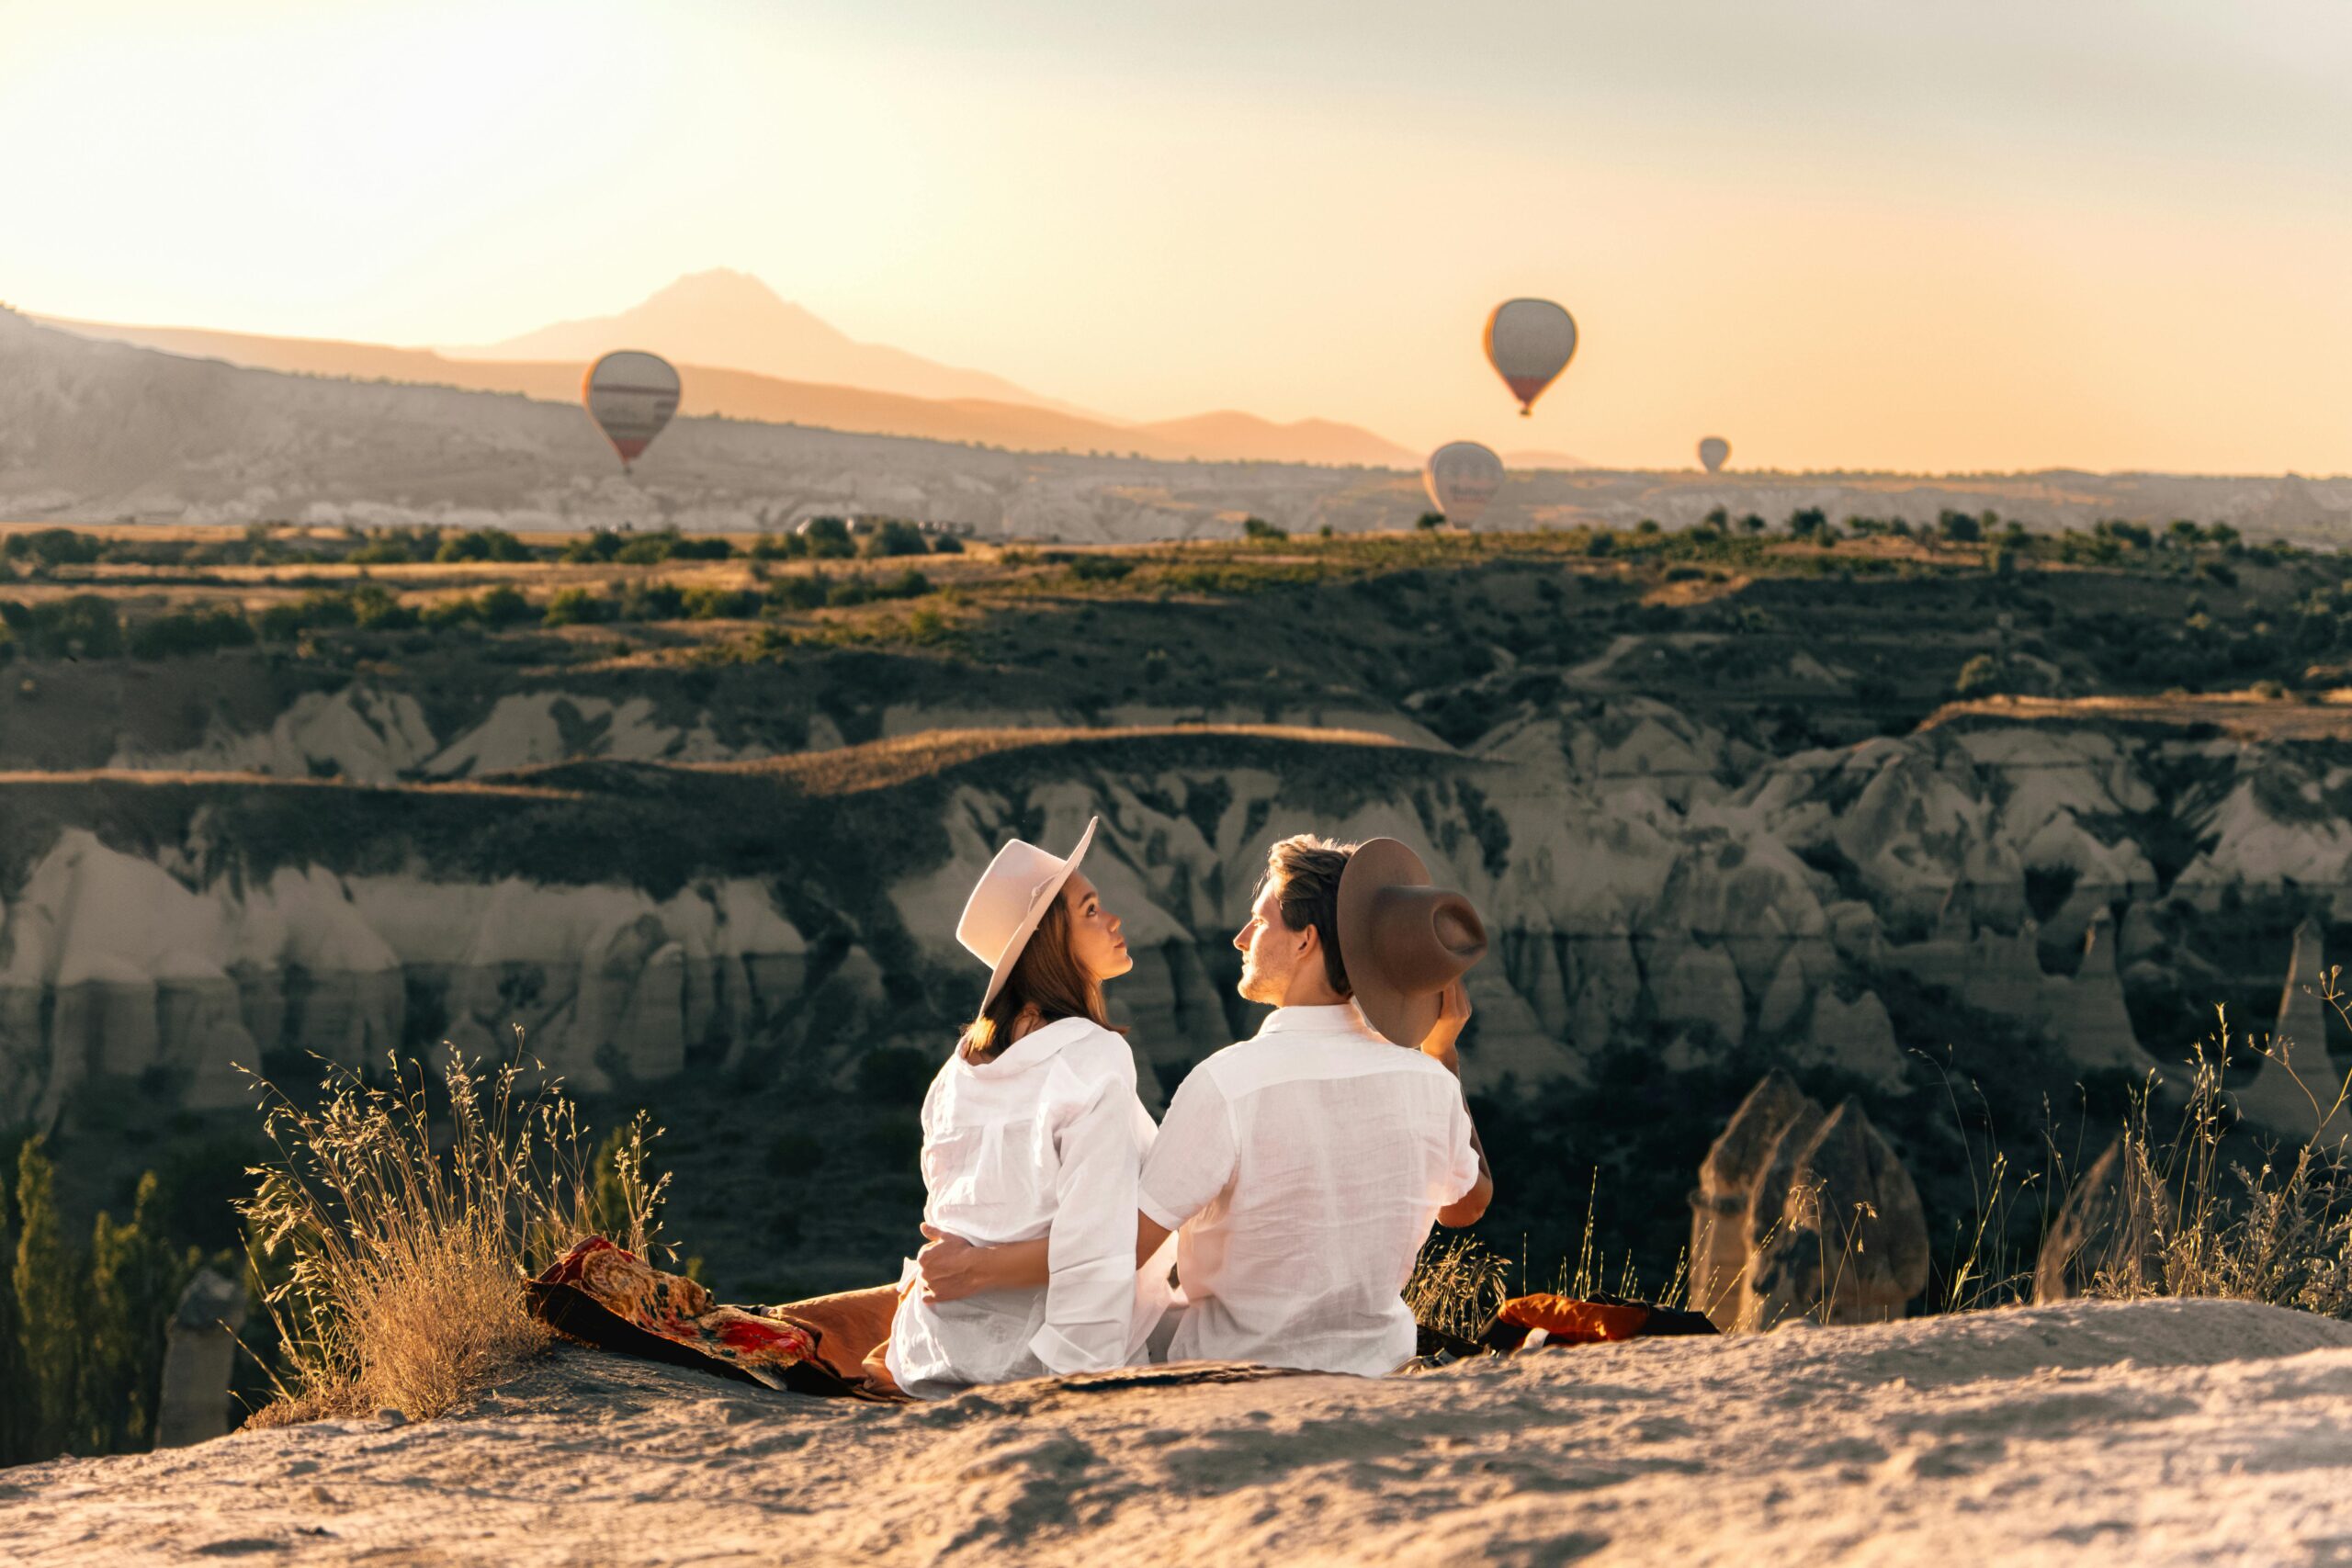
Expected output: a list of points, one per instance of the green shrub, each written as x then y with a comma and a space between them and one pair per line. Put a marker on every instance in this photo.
805, 591
503, 606
946, 545
377, 609
598, 545
1984, 676
1259, 529
84, 626
892, 539
652, 602
576, 606
1100, 568
482, 544
702, 547
53, 547
826, 538
720, 604
190, 631
445, 613
1428, 522
779, 547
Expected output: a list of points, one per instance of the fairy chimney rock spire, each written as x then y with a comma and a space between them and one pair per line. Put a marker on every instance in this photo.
2294, 1088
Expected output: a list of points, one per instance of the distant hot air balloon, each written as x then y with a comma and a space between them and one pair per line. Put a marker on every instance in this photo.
1461, 477
1530, 341
631, 395
1714, 452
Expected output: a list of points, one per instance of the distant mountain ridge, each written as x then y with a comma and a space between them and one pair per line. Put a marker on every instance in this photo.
726, 320
1227, 437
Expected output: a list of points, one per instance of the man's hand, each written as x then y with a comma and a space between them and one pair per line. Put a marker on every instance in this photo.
1453, 1017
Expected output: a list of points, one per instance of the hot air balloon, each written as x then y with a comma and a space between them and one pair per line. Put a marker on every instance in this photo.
1461, 477
1714, 452
631, 395
1529, 343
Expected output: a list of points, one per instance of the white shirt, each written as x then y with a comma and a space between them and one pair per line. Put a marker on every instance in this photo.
1046, 1139
1304, 1168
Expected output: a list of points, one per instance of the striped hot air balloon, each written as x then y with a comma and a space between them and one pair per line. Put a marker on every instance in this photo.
1713, 453
1529, 343
631, 395
1462, 477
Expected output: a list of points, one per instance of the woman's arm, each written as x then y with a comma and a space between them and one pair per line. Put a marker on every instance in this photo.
953, 1268
1091, 1283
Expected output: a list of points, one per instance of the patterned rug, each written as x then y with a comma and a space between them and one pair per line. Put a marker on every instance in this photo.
604, 1295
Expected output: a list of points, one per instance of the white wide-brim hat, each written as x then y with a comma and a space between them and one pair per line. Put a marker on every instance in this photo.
1014, 894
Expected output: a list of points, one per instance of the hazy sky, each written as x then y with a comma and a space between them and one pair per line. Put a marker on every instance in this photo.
1935, 234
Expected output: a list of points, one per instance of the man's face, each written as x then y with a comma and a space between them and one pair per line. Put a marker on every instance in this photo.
1270, 951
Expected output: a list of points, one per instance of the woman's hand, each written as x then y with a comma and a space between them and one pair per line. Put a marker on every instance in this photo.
951, 1266
1453, 1017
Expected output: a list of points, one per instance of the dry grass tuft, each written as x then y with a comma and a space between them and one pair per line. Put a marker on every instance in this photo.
2279, 1233
1457, 1286
395, 1230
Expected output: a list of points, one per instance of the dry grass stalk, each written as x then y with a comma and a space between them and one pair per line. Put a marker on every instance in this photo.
394, 1236
2280, 1234
1457, 1286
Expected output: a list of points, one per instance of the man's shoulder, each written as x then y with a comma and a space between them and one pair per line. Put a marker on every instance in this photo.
1265, 1060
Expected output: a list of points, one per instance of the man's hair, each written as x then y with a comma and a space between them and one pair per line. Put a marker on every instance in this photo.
1305, 873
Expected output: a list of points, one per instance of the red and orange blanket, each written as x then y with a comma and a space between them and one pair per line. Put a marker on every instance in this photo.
604, 1295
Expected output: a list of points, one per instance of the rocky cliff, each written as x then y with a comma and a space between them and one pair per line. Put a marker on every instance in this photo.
1651, 882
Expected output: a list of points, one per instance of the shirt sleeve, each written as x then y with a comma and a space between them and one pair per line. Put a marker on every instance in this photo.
1091, 1247
1195, 1156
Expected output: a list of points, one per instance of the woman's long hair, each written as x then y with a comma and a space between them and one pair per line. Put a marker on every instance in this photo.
1047, 979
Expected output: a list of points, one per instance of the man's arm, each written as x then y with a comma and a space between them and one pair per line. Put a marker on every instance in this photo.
1453, 1016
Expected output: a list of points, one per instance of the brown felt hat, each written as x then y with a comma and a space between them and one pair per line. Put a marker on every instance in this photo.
1403, 941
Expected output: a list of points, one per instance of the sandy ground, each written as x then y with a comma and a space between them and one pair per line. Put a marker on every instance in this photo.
2158, 1431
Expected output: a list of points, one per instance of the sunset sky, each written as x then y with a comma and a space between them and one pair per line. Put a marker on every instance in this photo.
1917, 234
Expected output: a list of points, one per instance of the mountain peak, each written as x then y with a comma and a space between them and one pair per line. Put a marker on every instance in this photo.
732, 321
719, 286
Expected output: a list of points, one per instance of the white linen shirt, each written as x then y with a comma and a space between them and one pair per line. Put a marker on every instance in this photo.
1047, 1139
1301, 1169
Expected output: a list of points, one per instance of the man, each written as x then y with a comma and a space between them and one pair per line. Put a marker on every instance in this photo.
1301, 1168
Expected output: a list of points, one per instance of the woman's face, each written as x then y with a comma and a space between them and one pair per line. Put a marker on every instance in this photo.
1094, 939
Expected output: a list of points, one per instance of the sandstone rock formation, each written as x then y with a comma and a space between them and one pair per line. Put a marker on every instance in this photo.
1802, 1215
2295, 1090
1727, 1178
199, 1354
1845, 1240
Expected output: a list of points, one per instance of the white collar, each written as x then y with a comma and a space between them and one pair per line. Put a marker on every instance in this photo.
1341, 1018
1031, 1048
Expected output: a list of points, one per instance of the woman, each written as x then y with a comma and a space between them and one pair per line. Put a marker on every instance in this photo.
1032, 1133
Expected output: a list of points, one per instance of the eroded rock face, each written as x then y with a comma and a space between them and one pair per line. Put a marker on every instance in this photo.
1719, 1205
113, 970
1643, 878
